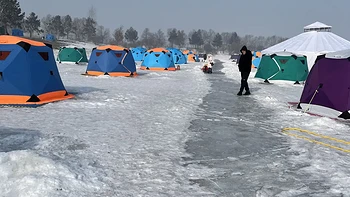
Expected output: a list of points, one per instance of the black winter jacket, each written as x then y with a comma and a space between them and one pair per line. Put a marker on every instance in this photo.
245, 62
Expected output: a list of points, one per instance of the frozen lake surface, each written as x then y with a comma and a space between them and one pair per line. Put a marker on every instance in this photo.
182, 133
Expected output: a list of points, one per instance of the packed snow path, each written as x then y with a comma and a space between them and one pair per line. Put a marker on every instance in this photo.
240, 138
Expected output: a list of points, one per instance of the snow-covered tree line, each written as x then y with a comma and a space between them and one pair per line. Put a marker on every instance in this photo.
88, 30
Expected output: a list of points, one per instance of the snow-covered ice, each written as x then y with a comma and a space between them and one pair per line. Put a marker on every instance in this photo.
129, 137
118, 137
325, 165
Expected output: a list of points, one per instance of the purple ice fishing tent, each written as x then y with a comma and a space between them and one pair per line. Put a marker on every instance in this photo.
328, 83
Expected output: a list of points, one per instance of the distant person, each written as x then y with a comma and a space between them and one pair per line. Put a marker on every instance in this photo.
210, 63
245, 67
210, 59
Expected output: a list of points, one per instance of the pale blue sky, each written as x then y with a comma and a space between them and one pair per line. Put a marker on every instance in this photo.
257, 17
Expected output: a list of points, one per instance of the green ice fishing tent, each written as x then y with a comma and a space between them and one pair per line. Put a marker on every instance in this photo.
77, 55
2, 30
283, 66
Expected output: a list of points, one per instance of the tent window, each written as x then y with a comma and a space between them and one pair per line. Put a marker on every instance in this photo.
302, 61
283, 61
118, 54
44, 55
4, 54
98, 53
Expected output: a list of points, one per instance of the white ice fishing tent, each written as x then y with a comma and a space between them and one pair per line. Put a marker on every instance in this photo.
317, 39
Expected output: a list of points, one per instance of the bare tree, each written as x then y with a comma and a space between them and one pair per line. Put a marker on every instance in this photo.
32, 24
67, 25
119, 35
146, 38
102, 35
106, 36
57, 26
78, 28
90, 29
160, 39
172, 36
46, 23
208, 36
131, 35
181, 38
92, 13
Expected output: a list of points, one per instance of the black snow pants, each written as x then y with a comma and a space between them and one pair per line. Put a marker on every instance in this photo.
244, 81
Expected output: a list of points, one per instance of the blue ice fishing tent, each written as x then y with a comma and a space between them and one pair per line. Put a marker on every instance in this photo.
257, 55
158, 59
17, 32
50, 37
138, 53
111, 60
28, 73
178, 56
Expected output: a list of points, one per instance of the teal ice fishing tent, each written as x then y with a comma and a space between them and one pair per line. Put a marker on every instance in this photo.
283, 66
76, 55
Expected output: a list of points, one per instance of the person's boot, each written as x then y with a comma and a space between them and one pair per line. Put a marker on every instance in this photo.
239, 93
247, 93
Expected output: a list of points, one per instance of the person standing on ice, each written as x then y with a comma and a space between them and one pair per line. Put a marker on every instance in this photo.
245, 66
210, 60
210, 63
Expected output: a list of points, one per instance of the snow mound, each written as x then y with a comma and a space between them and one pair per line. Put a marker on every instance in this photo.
26, 174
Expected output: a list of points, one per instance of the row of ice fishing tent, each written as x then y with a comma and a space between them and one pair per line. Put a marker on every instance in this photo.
179, 57
120, 61
29, 75
78, 55
327, 84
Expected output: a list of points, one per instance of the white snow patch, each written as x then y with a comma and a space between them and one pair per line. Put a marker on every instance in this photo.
26, 174
120, 136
